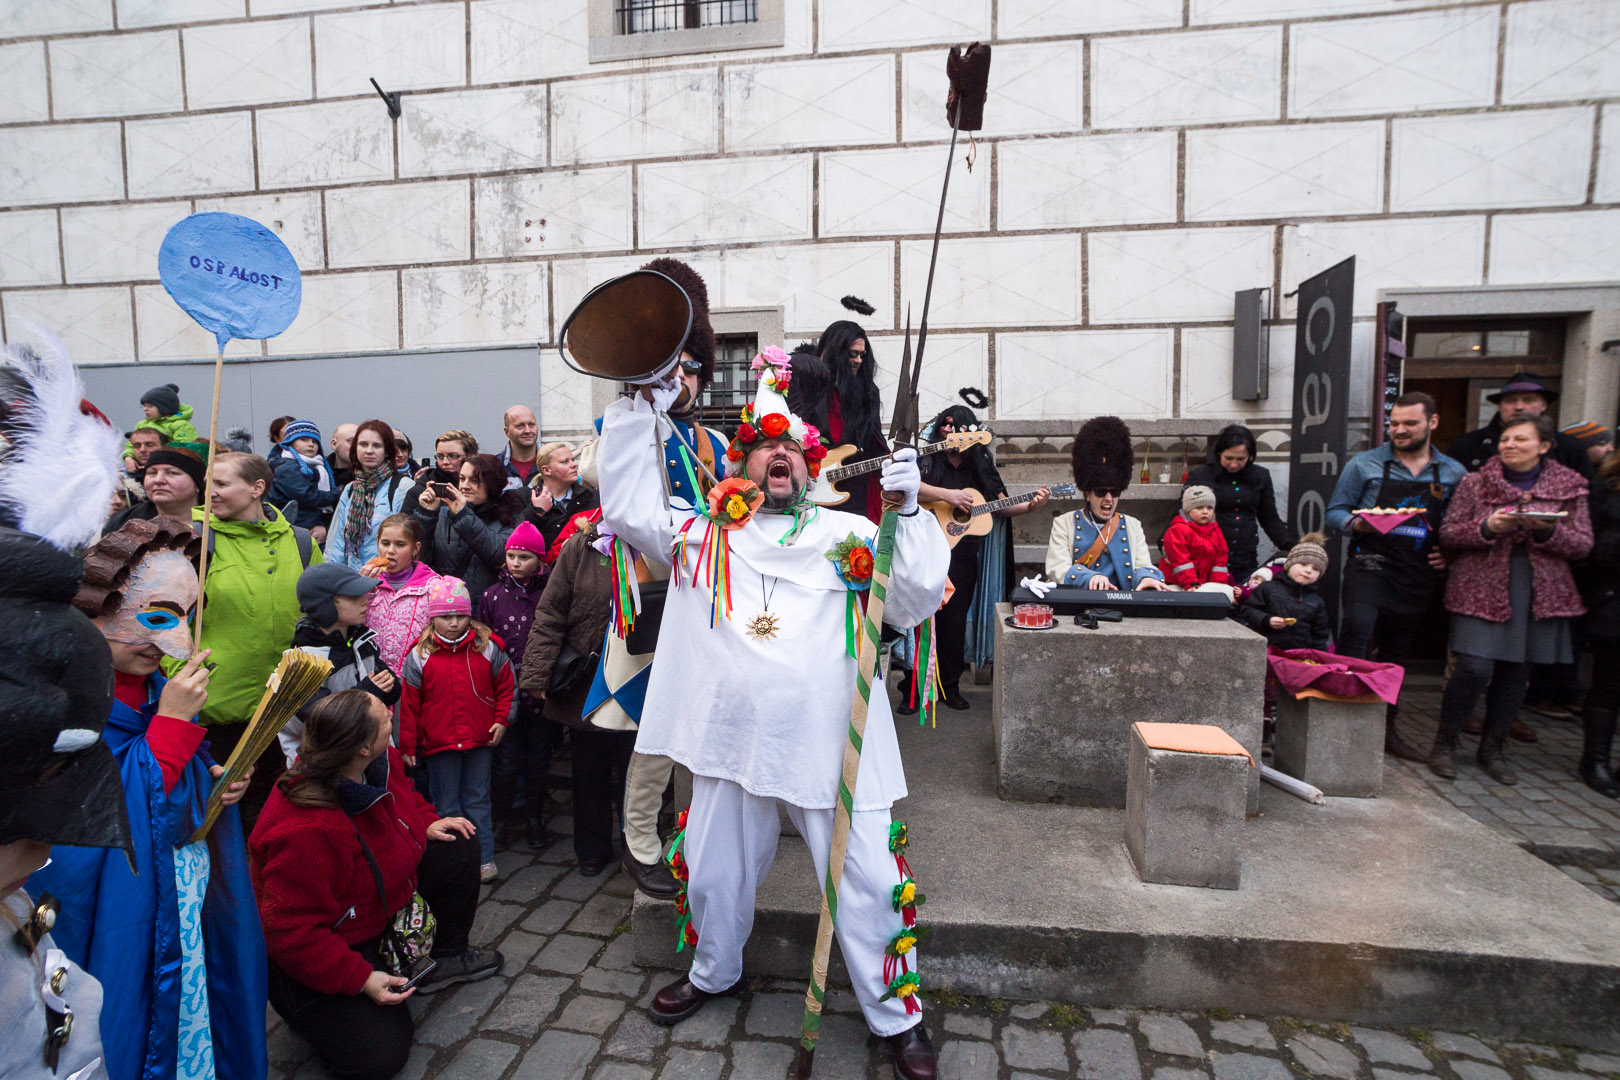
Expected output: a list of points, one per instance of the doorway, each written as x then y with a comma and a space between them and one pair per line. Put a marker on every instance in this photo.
1459, 362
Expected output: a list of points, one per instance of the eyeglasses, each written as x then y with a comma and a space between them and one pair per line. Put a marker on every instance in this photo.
857, 354
448, 457
1105, 493
692, 367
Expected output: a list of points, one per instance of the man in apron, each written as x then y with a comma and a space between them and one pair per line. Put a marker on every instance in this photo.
1391, 579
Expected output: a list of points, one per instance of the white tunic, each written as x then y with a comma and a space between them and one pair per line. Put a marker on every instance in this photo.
769, 715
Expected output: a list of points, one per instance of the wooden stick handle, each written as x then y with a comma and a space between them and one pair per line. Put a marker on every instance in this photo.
208, 500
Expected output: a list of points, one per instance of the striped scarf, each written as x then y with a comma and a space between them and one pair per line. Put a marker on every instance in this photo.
363, 504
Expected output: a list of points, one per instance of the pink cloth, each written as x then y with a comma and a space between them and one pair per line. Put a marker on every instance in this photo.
1341, 676
1383, 523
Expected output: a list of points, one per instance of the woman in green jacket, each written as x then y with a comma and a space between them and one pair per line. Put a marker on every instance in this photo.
250, 607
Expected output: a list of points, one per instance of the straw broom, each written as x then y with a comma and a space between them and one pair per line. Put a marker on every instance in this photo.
294, 682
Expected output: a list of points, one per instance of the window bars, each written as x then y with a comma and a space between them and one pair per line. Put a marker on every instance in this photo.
651, 16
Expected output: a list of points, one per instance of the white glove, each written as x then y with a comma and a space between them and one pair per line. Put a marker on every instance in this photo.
902, 477
664, 394
1039, 586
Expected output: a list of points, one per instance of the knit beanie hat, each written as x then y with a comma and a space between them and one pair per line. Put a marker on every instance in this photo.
1589, 433
448, 596
299, 429
165, 398
1311, 550
527, 538
185, 460
1196, 496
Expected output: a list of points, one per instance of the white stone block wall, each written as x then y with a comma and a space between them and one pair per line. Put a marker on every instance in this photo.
1140, 162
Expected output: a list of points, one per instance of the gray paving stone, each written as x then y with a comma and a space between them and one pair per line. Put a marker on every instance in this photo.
1170, 1035
1253, 1033
601, 915
526, 1005
974, 1027
1535, 1050
1111, 1017
1390, 1048
621, 983
1032, 1011
482, 1057
710, 1025
1541, 1072
560, 852
959, 1060
1106, 1055
416, 1065
1031, 1048
511, 860
842, 1051
761, 1060
637, 1038
528, 884
1598, 1063
558, 1055
775, 1015
1449, 1042
1249, 1067
491, 921
577, 887
621, 1070
838, 1001
620, 955
458, 1011
284, 1047
1381, 1072
519, 947
1321, 1056
1172, 1072
692, 1065
590, 1013
550, 917
1478, 1070
567, 953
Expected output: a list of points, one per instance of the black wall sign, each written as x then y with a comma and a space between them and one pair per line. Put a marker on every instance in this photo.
1321, 425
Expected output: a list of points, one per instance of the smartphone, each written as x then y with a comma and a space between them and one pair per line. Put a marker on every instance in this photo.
424, 968
443, 491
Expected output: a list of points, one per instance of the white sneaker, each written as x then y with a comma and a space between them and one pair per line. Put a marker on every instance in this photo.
486, 873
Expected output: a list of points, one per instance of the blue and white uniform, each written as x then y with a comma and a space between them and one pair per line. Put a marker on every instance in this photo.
1126, 560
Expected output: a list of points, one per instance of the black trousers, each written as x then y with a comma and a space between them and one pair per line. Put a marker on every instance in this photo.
1501, 681
1369, 633
600, 759
1605, 691
356, 1038
950, 625
222, 740
525, 752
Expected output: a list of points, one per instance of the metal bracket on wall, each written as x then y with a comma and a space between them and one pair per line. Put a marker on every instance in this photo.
391, 100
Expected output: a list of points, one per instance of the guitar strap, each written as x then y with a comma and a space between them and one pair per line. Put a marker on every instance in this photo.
1104, 536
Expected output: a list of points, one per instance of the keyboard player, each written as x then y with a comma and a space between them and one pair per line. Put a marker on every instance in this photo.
1097, 547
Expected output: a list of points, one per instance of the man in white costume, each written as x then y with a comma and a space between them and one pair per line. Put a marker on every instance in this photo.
767, 724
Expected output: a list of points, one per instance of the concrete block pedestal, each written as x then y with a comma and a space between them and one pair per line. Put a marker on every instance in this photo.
1336, 745
1184, 814
1065, 699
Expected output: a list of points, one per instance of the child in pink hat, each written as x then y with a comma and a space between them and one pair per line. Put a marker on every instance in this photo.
455, 709
508, 607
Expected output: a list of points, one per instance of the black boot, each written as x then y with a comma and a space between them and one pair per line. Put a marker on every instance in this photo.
1600, 725
1393, 743
1491, 758
535, 834
904, 705
1442, 756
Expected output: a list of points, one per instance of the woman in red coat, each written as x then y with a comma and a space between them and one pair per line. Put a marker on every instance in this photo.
342, 844
1511, 531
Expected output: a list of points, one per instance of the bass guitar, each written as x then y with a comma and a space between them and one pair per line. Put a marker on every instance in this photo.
975, 520
822, 492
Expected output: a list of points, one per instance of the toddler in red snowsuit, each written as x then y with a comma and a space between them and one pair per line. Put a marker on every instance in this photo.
1194, 547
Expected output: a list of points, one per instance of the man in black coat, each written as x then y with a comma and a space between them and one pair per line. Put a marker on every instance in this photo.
1522, 395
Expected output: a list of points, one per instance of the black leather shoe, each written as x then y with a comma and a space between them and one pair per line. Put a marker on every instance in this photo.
681, 999
653, 879
535, 834
957, 702
591, 867
913, 1054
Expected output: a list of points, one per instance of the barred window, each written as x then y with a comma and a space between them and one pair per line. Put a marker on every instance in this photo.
651, 16
733, 385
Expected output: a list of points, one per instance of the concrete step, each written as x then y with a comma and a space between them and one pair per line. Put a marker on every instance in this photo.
1392, 911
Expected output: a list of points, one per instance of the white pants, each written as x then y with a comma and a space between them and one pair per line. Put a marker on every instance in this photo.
645, 779
730, 844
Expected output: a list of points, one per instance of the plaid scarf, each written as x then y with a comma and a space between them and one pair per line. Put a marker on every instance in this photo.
363, 504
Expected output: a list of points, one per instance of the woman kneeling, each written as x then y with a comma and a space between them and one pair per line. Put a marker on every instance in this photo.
344, 846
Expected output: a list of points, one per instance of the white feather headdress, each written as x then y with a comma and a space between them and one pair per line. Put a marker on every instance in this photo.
58, 454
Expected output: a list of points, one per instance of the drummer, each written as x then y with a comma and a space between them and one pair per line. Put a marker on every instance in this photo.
1392, 578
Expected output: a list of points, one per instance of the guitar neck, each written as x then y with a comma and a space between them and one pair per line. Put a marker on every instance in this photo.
844, 472
1002, 504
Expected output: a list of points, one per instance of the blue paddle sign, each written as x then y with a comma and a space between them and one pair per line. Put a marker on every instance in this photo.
232, 275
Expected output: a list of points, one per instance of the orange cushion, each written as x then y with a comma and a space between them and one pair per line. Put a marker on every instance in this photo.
1191, 739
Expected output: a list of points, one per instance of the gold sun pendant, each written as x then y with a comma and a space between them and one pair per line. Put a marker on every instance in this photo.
762, 627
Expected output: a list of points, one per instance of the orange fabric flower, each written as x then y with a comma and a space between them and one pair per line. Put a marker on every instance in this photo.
860, 563
732, 502
773, 425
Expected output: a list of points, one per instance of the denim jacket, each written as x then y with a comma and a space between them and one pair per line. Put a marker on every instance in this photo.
1358, 485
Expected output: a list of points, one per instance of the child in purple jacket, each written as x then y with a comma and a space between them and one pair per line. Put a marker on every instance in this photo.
507, 608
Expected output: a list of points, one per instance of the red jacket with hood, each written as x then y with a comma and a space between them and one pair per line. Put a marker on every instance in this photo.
454, 695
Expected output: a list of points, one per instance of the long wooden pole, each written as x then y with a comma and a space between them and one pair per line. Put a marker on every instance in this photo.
208, 499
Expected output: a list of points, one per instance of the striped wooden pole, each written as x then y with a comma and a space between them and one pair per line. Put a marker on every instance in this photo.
866, 677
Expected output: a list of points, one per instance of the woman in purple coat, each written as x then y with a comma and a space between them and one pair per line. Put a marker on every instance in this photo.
1511, 531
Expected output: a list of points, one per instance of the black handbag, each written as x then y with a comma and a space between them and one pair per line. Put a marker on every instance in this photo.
573, 670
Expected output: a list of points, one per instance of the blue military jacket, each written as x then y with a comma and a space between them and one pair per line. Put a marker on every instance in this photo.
1117, 561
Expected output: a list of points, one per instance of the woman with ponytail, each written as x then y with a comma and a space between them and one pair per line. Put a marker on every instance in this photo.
345, 843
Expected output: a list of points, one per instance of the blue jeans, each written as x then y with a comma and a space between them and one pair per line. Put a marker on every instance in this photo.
460, 783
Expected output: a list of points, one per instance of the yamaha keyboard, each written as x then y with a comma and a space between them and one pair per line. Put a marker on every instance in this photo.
1149, 604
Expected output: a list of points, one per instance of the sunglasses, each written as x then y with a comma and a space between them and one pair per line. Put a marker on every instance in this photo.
692, 367
857, 354
1105, 493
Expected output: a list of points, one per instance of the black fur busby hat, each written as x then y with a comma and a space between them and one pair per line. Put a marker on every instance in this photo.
700, 341
1103, 457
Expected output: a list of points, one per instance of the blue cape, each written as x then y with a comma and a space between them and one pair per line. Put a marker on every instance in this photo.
124, 929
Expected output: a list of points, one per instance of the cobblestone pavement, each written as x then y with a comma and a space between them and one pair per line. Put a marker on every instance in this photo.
569, 1005
1549, 811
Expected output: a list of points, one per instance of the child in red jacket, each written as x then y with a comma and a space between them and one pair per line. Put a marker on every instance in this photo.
1194, 547
455, 709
